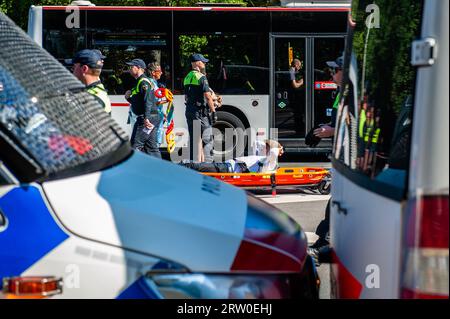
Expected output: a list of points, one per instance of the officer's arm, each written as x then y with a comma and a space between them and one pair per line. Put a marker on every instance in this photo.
207, 94
297, 83
210, 101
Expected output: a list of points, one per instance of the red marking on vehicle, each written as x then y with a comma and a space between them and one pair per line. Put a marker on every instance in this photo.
120, 104
325, 85
254, 256
348, 287
253, 9
78, 144
269, 251
58, 144
292, 244
412, 294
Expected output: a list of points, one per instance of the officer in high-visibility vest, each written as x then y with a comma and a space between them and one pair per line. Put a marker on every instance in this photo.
143, 110
87, 67
200, 108
321, 246
327, 130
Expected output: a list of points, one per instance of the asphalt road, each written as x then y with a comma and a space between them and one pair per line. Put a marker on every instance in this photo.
307, 209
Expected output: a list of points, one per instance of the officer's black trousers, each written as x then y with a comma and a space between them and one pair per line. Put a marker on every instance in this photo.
147, 143
199, 125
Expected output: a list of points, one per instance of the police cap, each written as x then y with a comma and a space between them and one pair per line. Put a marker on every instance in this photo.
198, 57
91, 58
137, 62
336, 64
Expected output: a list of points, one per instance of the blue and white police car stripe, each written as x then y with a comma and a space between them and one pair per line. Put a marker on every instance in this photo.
31, 232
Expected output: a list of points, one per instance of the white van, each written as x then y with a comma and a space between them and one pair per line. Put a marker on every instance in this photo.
390, 194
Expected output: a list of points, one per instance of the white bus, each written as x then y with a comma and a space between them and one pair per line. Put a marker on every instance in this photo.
250, 52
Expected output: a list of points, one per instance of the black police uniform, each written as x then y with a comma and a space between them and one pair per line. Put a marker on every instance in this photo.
195, 85
143, 105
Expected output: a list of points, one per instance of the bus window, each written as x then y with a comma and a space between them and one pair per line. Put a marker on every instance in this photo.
311, 22
235, 67
373, 137
324, 90
290, 98
238, 52
62, 39
140, 34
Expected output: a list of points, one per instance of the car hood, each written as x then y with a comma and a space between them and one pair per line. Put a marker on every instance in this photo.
154, 207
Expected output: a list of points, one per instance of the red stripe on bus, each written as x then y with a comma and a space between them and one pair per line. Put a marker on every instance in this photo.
105, 8
120, 104
348, 286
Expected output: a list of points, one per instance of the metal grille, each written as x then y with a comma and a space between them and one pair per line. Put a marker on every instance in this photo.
45, 109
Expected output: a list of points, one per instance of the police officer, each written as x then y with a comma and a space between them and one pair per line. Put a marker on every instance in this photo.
144, 110
87, 67
200, 109
327, 130
320, 250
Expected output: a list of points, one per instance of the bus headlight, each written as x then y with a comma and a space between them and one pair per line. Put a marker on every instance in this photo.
225, 286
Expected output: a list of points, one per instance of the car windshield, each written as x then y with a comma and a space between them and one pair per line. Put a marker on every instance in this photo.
50, 127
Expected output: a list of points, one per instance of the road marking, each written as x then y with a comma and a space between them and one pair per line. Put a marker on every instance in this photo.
293, 198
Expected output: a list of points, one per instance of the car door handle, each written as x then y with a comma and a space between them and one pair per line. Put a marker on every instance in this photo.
339, 207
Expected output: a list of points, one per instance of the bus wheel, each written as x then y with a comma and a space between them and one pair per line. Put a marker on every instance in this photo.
229, 136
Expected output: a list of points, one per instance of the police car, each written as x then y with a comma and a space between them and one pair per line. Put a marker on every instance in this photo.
84, 216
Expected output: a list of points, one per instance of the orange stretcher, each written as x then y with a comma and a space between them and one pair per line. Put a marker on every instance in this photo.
314, 178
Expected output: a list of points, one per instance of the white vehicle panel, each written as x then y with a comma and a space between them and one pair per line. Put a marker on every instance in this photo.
368, 237
153, 211
91, 270
430, 140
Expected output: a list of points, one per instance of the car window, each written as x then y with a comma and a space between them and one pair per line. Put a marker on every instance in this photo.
375, 115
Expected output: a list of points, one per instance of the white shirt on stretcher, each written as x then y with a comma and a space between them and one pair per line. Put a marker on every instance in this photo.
257, 163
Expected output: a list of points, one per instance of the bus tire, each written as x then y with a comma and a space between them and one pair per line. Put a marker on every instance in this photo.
228, 120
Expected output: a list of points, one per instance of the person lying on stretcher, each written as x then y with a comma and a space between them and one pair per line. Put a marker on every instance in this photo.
264, 160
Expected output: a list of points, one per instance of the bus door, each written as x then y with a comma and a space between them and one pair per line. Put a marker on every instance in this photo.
324, 91
288, 109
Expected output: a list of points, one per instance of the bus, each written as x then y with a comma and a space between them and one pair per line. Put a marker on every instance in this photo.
250, 51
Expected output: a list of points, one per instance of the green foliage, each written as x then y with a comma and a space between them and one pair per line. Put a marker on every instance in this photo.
388, 73
190, 45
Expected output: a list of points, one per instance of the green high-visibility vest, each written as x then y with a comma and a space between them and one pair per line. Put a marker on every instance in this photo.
135, 90
192, 78
369, 128
100, 92
375, 136
336, 101
362, 121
